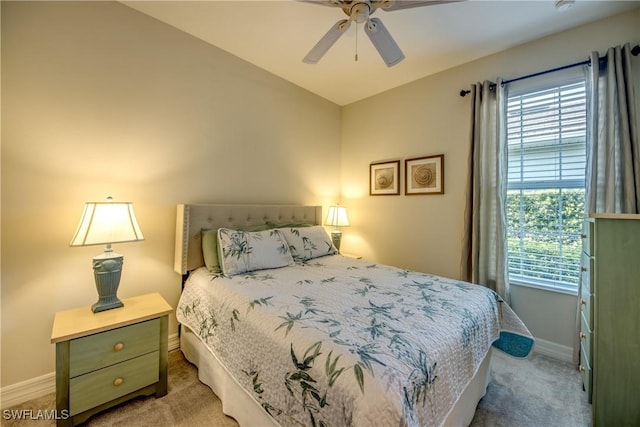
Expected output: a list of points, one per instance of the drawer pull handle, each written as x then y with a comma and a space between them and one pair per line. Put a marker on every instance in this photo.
118, 347
582, 368
582, 335
118, 381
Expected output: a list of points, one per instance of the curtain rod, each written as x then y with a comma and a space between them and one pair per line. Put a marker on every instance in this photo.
634, 51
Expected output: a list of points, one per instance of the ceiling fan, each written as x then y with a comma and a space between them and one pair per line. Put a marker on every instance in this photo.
360, 11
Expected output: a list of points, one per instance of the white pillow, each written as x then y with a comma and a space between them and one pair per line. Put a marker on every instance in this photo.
306, 243
243, 251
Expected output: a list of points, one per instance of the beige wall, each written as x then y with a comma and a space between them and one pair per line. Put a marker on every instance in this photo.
428, 117
99, 100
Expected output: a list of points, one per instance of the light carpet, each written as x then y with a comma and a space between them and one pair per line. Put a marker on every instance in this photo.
535, 392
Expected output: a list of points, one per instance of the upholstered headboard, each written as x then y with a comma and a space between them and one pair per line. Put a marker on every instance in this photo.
191, 219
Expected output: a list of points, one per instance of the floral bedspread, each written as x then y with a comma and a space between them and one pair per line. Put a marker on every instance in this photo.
338, 341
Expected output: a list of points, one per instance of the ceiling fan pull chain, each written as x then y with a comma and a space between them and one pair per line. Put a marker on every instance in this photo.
356, 42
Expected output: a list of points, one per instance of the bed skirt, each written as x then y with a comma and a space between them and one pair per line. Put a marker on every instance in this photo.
239, 404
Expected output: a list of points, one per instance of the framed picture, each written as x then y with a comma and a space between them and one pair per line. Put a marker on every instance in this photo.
384, 178
424, 175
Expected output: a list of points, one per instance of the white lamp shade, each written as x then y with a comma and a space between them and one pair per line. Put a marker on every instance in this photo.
107, 222
337, 217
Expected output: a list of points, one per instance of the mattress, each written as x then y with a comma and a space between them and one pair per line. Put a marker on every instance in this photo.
340, 341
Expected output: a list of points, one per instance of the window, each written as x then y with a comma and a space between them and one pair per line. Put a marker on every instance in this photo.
546, 143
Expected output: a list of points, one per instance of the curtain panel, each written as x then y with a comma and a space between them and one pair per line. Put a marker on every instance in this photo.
613, 153
613, 160
484, 243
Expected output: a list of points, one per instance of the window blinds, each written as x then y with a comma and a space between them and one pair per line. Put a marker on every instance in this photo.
546, 144
546, 137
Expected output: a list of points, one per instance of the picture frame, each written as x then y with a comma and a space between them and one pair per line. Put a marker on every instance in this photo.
424, 175
384, 178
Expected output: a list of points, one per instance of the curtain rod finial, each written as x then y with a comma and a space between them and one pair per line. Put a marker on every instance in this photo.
464, 93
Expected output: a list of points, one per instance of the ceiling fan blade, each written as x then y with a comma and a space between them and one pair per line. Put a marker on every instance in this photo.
330, 3
318, 51
390, 5
384, 43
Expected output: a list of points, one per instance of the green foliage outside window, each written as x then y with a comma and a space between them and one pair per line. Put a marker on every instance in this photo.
544, 234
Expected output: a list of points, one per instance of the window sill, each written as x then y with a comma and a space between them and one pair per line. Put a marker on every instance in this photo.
573, 292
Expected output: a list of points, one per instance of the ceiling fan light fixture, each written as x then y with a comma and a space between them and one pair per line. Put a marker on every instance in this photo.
360, 12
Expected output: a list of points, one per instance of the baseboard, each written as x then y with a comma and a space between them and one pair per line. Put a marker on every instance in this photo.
33, 388
174, 342
16, 394
554, 350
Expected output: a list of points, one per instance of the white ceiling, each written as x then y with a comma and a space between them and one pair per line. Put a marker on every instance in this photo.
276, 35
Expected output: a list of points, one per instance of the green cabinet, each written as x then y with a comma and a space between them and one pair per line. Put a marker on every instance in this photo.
610, 315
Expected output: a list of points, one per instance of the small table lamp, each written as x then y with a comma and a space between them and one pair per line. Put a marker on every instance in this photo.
337, 217
106, 223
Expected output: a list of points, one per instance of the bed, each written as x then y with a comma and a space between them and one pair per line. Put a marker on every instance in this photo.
292, 333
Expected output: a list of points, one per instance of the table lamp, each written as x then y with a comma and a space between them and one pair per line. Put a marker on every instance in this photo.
107, 223
337, 217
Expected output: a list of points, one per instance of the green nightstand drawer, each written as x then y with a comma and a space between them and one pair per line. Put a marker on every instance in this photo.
587, 237
586, 306
106, 348
586, 339
586, 270
587, 374
104, 385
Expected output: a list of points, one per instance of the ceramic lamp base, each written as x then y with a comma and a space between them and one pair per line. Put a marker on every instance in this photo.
107, 269
336, 238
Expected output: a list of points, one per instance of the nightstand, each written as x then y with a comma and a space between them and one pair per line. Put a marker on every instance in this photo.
106, 358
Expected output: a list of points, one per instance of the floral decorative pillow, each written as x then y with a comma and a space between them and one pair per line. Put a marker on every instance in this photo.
244, 251
209, 238
306, 243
